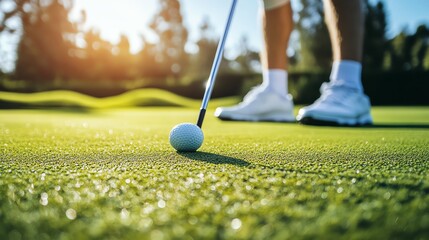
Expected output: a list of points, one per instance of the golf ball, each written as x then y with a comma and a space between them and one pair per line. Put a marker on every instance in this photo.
186, 137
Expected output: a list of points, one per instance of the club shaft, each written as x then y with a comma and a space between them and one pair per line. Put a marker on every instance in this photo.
215, 66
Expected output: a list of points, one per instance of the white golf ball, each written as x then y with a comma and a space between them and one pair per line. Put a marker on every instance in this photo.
186, 137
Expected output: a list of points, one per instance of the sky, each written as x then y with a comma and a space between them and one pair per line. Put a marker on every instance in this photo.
401, 14
139, 13
134, 16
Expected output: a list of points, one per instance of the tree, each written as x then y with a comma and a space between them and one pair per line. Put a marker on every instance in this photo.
46, 41
98, 60
247, 60
408, 51
10, 12
15, 9
375, 41
315, 46
207, 45
170, 57
421, 49
146, 59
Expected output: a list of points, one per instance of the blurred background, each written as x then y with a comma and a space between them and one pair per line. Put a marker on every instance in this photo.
108, 47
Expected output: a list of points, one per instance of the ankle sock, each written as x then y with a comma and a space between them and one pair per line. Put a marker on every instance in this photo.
347, 73
275, 80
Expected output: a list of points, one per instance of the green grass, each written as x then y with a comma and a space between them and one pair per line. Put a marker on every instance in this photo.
140, 97
111, 173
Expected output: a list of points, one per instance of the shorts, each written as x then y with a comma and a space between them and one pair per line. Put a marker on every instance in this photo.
271, 4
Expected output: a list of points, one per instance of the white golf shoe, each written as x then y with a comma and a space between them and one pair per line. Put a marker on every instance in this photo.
337, 106
260, 105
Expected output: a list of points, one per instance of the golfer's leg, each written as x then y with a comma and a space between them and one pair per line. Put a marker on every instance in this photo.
343, 101
345, 21
270, 101
277, 25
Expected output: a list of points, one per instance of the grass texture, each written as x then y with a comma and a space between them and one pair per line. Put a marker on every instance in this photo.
111, 174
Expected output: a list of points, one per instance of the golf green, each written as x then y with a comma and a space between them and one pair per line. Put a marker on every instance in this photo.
111, 173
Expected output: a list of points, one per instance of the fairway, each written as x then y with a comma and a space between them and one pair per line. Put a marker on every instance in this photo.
111, 173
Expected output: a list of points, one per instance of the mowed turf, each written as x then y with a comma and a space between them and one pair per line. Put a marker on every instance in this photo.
108, 174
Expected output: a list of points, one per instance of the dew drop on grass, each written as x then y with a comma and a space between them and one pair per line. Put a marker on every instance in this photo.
292, 195
124, 214
387, 196
236, 223
161, 203
71, 214
156, 234
147, 210
145, 223
44, 199
193, 220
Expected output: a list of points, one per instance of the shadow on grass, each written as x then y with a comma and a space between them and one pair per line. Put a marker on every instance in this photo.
399, 125
382, 126
50, 107
313, 122
214, 158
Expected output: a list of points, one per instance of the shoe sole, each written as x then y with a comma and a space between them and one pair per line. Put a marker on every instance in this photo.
363, 120
265, 118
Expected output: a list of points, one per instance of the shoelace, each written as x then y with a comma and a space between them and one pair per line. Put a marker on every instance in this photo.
329, 94
252, 93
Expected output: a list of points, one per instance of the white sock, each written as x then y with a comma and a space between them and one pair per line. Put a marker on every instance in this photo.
347, 73
275, 80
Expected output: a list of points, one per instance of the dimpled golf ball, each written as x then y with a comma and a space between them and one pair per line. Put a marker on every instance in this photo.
186, 137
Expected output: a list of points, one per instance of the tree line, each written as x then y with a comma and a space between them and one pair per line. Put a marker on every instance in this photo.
52, 48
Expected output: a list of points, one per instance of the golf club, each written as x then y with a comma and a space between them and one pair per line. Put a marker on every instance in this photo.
215, 67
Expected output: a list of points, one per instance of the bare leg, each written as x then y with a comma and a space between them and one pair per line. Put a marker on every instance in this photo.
269, 101
277, 26
343, 101
345, 21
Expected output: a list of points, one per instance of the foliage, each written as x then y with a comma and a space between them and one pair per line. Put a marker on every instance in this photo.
202, 61
410, 51
41, 20
248, 60
315, 47
169, 53
375, 41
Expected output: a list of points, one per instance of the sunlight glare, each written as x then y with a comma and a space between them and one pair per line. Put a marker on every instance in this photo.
113, 18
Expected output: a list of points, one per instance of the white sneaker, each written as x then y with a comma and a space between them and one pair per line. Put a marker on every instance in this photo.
337, 106
260, 105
